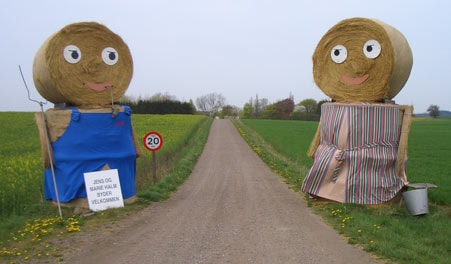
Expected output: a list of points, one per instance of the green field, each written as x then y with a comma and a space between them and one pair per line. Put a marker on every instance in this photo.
291, 138
387, 231
430, 157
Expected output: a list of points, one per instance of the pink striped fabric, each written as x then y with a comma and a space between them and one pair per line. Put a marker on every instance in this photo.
358, 149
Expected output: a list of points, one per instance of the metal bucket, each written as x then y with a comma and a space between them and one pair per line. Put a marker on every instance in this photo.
417, 201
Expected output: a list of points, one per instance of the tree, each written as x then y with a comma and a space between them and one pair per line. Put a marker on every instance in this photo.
309, 104
270, 112
160, 97
263, 103
248, 110
257, 108
434, 111
210, 103
279, 110
228, 110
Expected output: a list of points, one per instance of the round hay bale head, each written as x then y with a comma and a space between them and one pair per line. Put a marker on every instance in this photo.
362, 60
83, 64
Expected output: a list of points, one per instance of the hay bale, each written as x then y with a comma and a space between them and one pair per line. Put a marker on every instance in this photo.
359, 78
63, 74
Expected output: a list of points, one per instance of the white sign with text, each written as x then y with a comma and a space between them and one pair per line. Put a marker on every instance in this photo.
103, 189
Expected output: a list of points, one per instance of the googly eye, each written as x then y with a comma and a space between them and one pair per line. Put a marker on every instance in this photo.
72, 54
372, 49
110, 56
339, 54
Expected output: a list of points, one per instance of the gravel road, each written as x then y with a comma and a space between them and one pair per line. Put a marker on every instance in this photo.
232, 209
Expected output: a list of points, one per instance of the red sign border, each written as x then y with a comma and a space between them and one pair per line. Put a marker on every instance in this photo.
153, 133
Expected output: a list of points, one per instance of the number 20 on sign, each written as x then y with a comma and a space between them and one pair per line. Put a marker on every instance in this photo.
153, 141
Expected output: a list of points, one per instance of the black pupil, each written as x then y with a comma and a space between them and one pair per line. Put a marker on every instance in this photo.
112, 56
74, 54
337, 52
369, 48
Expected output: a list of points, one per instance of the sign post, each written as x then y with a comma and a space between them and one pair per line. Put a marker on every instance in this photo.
153, 142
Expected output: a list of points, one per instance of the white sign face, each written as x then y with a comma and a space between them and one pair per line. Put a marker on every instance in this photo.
103, 189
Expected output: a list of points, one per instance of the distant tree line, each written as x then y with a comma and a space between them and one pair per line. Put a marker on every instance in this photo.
159, 104
308, 109
214, 104
279, 110
162, 107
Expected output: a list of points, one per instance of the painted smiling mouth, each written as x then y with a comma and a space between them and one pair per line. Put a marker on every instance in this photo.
354, 80
98, 87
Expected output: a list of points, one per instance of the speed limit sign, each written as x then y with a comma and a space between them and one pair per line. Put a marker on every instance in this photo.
153, 141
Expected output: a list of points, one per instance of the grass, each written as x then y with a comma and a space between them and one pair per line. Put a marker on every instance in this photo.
30, 243
20, 161
176, 131
301, 131
27, 222
429, 156
387, 231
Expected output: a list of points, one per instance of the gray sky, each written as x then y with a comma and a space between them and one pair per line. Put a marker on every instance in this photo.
238, 48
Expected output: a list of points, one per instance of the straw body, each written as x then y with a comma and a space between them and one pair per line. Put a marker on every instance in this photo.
360, 148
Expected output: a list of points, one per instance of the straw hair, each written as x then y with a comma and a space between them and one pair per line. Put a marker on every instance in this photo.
61, 82
387, 73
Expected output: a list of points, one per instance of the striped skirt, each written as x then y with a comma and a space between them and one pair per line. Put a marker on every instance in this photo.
355, 161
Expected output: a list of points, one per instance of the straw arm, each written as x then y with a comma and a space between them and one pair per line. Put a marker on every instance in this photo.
135, 142
407, 111
42, 135
315, 143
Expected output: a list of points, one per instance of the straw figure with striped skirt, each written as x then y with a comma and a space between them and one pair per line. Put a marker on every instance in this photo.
360, 147
84, 69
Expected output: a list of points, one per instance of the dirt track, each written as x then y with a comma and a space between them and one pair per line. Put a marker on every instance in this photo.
232, 209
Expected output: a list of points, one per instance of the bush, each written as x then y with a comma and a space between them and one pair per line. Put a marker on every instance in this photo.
304, 116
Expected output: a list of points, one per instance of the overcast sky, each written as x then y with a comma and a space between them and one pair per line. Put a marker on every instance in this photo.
237, 48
